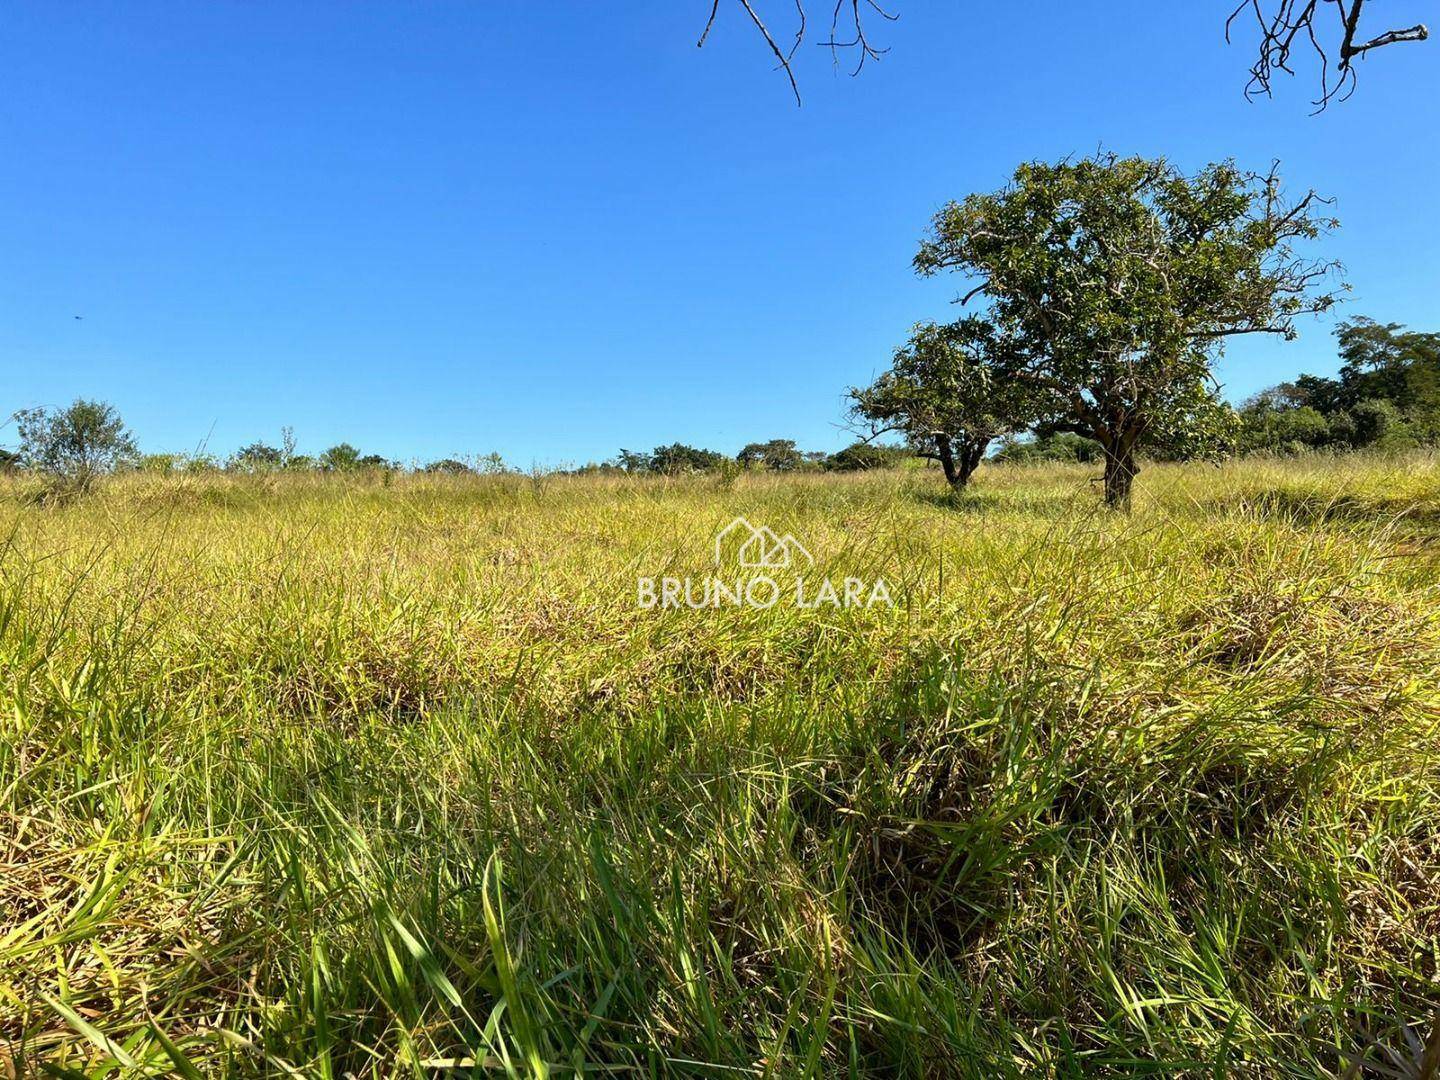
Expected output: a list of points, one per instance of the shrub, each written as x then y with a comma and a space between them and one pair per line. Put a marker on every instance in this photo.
778, 455
340, 458
74, 445
860, 456
1059, 446
449, 467
257, 457
1266, 427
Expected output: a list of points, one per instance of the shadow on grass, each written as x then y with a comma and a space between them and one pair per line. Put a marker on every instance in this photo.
985, 501
968, 501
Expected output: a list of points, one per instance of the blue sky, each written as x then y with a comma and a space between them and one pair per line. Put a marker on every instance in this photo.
555, 229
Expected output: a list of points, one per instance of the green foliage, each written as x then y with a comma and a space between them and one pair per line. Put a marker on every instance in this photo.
1200, 426
950, 393
340, 458
678, 458
1388, 363
1289, 430
777, 455
632, 461
262, 457
1118, 279
257, 457
1064, 446
673, 460
1379, 422
74, 445
449, 466
864, 456
1387, 396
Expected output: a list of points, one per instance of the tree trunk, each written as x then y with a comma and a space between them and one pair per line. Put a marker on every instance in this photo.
1120, 470
971, 454
944, 452
958, 470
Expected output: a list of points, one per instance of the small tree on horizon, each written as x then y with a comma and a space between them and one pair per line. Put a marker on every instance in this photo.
77, 444
257, 457
340, 458
678, 458
777, 455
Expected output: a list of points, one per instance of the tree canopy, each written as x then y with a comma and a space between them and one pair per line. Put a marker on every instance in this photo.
1387, 394
949, 393
76, 444
340, 458
777, 455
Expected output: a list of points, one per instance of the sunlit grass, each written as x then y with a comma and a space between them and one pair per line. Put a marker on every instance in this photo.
323, 777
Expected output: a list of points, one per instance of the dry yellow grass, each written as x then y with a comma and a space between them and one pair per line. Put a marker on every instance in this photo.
342, 775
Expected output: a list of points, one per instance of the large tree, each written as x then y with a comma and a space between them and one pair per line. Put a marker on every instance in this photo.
1117, 281
949, 393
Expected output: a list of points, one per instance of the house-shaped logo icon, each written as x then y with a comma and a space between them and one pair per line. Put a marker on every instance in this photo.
760, 547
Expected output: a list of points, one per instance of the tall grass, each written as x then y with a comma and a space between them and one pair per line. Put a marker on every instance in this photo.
319, 777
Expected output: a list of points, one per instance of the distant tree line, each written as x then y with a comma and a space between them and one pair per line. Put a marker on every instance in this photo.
774, 455
1386, 395
75, 445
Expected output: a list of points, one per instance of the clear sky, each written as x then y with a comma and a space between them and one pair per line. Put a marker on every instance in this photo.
553, 229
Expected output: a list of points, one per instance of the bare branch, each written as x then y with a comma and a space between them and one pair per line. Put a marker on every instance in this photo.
1418, 32
858, 40
782, 57
1300, 21
855, 32
1283, 26
710, 22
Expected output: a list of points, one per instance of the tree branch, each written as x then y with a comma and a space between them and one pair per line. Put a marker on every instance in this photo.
1295, 21
855, 31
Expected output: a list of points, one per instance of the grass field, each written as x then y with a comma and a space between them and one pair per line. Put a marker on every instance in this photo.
317, 778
